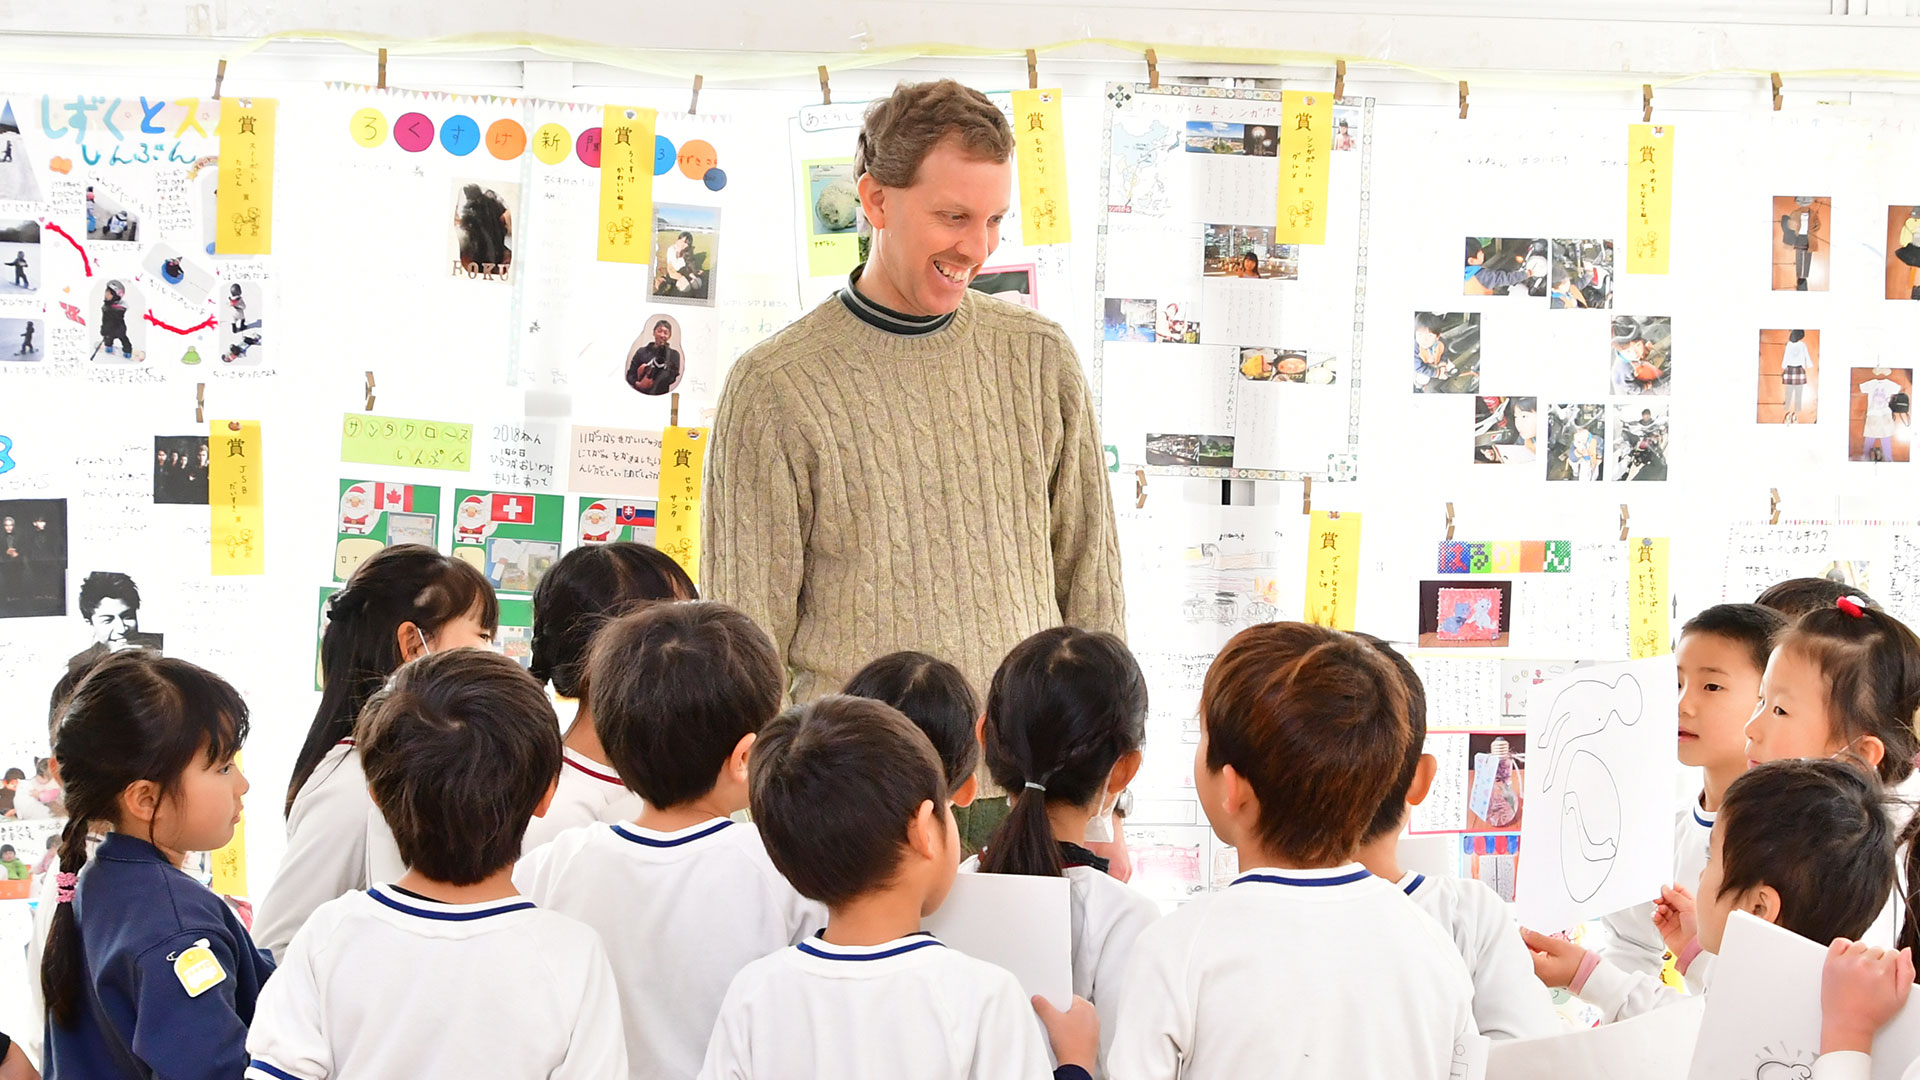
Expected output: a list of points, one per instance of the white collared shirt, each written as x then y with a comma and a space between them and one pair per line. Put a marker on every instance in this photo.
337, 843
910, 1007
1294, 973
587, 792
383, 983
681, 913
1509, 1000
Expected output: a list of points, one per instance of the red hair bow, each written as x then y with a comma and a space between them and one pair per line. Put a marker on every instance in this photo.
1853, 606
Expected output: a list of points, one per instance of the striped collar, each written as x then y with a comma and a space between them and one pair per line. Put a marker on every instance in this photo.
1412, 882
433, 909
1701, 817
819, 946
1310, 879
885, 318
654, 839
582, 763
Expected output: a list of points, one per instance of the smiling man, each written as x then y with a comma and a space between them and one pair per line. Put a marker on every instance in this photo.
913, 464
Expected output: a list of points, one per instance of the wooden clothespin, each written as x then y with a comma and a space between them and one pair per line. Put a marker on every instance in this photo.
673, 411
1449, 521
382, 84
1153, 70
1463, 99
1033, 70
826, 92
200, 403
1646, 103
1306, 495
1623, 521
1139, 489
369, 391
233, 425
1339, 79
1776, 91
220, 76
694, 105
1773, 518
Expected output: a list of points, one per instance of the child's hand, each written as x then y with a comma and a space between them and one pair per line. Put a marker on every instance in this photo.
1075, 1034
1674, 916
1860, 990
1555, 959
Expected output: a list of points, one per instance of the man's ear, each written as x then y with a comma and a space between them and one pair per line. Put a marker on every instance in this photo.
1423, 776
873, 200
967, 792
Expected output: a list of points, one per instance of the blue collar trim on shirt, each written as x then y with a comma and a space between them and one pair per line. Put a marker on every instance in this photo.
1700, 821
1414, 885
1312, 883
270, 1069
448, 916
927, 941
649, 841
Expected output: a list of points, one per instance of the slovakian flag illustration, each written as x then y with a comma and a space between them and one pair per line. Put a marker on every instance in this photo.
639, 515
511, 509
396, 497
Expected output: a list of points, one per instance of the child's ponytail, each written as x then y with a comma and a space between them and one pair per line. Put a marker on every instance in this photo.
136, 716
1065, 706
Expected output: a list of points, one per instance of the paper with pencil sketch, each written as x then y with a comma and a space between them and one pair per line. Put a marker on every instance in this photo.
1653, 1046
1763, 1013
1596, 831
1021, 923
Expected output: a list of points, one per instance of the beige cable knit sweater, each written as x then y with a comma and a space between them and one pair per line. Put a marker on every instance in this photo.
869, 492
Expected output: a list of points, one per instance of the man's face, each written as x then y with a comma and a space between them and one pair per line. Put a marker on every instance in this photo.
112, 621
40, 524
661, 333
933, 237
6, 525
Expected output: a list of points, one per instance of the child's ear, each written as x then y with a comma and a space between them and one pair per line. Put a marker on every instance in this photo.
1236, 795
1870, 749
968, 792
980, 729
1423, 776
1762, 902
926, 833
546, 801
736, 766
409, 638
374, 799
1124, 771
140, 801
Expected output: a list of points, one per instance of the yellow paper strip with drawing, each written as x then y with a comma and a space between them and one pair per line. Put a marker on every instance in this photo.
1040, 141
236, 497
1649, 197
230, 862
683, 455
1647, 601
626, 184
243, 202
1306, 152
1333, 568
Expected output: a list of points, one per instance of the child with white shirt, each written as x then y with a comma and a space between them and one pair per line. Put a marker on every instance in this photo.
1306, 965
459, 752
683, 896
1066, 716
1803, 843
590, 585
1509, 1002
1720, 659
404, 602
853, 804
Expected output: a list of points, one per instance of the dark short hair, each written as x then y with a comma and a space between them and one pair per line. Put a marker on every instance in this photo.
1427, 320
1315, 721
902, 128
1816, 831
588, 586
834, 785
674, 688
939, 700
107, 584
1393, 808
1797, 335
459, 750
1473, 248
1749, 625
1795, 597
1871, 664
14, 773
663, 322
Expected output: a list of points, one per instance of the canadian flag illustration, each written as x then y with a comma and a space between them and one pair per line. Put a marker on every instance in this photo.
396, 497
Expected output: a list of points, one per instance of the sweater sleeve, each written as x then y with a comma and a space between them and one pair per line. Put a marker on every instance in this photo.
758, 507
1622, 995
1086, 545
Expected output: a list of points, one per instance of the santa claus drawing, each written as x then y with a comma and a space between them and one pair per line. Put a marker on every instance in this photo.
357, 511
473, 523
596, 524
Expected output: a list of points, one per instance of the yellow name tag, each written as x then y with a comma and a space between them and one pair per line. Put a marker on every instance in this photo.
198, 969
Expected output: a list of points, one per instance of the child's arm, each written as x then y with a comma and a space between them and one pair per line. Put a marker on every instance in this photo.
286, 1038
1509, 1000
730, 1047
1860, 990
1618, 994
1074, 1035
1155, 1020
598, 1048
1109, 972
1007, 1045
186, 1017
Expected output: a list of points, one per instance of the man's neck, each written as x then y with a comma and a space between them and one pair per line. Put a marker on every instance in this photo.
872, 283
875, 918
495, 886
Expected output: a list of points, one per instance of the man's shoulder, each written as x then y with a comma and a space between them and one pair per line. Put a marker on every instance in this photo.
993, 313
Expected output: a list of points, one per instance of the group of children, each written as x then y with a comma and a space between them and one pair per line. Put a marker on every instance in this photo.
473, 888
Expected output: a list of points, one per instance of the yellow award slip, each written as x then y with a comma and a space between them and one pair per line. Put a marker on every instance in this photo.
1649, 197
1333, 568
626, 184
236, 497
1306, 152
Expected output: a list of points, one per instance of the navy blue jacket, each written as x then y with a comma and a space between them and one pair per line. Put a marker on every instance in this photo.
137, 913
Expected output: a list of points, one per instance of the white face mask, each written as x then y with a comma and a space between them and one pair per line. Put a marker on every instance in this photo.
425, 649
1100, 828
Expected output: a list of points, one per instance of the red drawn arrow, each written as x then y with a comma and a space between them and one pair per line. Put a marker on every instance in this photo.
208, 325
84, 262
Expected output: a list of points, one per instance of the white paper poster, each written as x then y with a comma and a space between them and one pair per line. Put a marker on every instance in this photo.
1598, 832
1021, 923
1654, 1046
